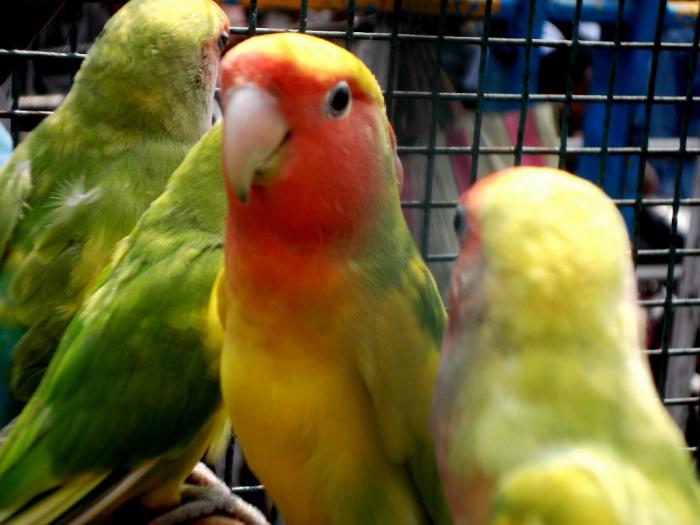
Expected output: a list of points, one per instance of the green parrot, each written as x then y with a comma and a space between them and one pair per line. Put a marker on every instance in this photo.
79, 182
131, 400
544, 410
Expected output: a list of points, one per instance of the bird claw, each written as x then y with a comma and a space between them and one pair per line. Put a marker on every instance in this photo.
207, 500
202, 476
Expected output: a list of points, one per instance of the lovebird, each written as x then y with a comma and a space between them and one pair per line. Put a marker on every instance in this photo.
544, 409
131, 400
332, 321
80, 181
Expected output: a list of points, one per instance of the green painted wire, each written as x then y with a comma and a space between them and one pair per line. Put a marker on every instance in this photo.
303, 15
685, 124
350, 28
573, 52
16, 91
393, 51
483, 55
611, 89
76, 13
644, 153
526, 85
545, 150
252, 17
428, 195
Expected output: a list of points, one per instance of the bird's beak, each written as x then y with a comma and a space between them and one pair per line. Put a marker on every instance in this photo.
255, 133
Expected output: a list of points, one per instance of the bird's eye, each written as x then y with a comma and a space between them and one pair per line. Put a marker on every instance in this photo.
460, 222
338, 100
223, 41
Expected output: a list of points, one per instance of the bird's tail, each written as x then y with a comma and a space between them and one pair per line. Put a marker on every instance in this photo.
49, 507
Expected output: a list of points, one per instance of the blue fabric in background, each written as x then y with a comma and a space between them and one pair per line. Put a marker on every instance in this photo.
5, 144
667, 119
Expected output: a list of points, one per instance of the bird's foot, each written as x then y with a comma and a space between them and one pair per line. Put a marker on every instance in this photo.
206, 500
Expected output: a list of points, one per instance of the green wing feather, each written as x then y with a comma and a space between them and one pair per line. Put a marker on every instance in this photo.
16, 181
80, 181
135, 377
62, 243
401, 370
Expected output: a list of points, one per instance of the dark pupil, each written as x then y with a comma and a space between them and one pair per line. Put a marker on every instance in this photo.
340, 99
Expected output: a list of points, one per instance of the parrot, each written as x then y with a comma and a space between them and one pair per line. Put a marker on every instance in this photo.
332, 321
544, 409
131, 400
80, 181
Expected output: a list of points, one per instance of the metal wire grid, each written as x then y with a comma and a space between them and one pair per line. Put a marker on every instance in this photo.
523, 97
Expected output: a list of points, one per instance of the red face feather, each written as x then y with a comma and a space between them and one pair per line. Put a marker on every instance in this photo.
333, 174
328, 177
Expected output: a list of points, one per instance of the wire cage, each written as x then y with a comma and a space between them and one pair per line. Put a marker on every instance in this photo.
609, 90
